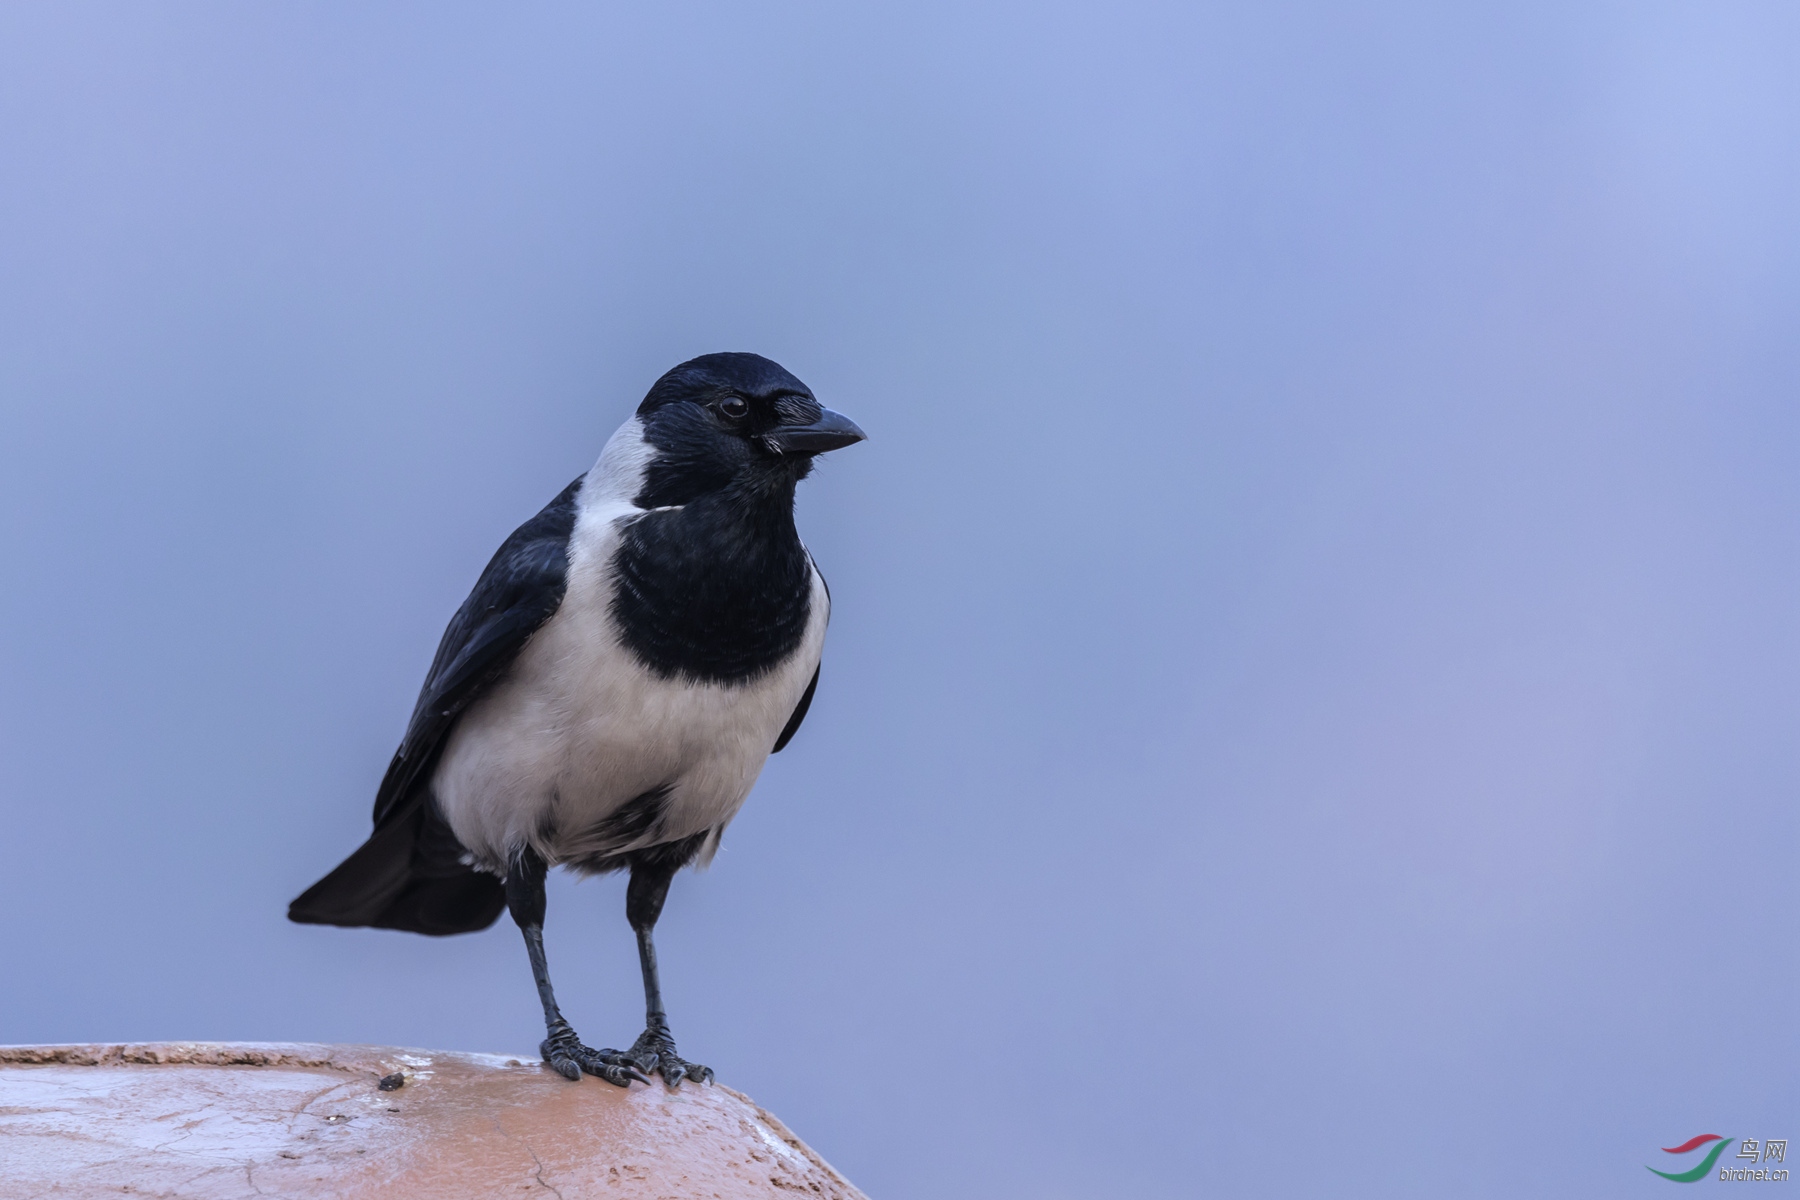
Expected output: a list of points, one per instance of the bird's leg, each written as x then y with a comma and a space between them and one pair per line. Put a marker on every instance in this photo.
655, 1048
560, 1048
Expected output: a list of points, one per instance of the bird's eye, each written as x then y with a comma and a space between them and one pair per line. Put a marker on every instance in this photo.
734, 406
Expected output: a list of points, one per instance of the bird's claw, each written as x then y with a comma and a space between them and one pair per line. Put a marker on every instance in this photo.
655, 1051
570, 1059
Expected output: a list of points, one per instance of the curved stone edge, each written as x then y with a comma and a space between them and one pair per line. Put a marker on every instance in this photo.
210, 1054
351, 1059
787, 1135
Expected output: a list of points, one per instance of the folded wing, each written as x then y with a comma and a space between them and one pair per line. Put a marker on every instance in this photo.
410, 874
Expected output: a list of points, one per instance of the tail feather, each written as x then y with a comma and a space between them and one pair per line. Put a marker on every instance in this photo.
408, 875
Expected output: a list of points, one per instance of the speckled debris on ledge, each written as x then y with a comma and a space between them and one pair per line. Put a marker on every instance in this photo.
206, 1120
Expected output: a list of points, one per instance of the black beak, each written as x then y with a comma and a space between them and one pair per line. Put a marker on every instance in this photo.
832, 431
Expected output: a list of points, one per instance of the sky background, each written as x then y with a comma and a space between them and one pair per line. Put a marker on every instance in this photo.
1312, 697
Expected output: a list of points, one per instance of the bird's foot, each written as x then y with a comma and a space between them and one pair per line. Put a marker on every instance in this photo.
655, 1051
569, 1058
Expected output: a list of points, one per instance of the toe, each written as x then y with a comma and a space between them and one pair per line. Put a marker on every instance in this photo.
674, 1070
617, 1076
629, 1070
635, 1060
560, 1055
602, 1064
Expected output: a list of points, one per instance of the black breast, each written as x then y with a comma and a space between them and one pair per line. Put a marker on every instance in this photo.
712, 591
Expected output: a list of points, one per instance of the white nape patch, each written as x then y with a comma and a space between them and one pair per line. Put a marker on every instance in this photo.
613, 482
578, 727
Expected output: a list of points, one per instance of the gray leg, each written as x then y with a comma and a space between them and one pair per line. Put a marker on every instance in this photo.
655, 1048
560, 1048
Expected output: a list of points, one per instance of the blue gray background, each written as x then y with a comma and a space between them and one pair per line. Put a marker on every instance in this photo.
1311, 706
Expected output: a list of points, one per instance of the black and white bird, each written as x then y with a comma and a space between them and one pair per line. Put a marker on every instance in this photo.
607, 695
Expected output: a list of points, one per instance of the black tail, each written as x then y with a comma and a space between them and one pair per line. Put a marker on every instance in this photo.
409, 875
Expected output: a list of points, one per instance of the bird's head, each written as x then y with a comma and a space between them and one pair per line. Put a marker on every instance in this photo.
724, 420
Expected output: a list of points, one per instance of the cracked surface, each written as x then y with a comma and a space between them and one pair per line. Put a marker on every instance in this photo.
201, 1120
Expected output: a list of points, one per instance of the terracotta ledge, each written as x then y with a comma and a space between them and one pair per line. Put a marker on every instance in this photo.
206, 1120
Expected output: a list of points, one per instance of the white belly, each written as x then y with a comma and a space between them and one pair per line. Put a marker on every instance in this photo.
578, 728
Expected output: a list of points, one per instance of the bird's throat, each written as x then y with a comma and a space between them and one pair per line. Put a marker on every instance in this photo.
718, 590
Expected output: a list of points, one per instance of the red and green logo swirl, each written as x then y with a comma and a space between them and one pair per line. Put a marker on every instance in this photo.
1706, 1164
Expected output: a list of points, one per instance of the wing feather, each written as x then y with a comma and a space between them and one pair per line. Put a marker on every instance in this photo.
793, 725
521, 589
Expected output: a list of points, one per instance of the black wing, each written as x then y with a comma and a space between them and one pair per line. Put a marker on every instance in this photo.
793, 726
521, 588
410, 874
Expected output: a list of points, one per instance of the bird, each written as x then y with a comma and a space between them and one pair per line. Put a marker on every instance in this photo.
607, 695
